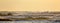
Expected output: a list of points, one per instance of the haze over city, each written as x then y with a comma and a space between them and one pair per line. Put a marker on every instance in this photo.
29, 5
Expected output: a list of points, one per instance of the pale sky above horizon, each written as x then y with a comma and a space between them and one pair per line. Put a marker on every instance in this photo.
29, 5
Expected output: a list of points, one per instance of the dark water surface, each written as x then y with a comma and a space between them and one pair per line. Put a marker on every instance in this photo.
32, 21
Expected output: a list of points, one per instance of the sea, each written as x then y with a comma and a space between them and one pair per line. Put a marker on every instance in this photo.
31, 21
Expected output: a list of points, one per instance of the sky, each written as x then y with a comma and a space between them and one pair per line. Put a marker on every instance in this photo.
29, 5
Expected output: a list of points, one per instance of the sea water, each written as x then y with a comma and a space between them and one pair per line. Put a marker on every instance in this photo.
32, 21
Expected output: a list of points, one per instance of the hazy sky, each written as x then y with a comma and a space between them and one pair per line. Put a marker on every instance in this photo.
29, 5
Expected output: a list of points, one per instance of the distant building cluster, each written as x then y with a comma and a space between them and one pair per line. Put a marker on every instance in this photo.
19, 14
